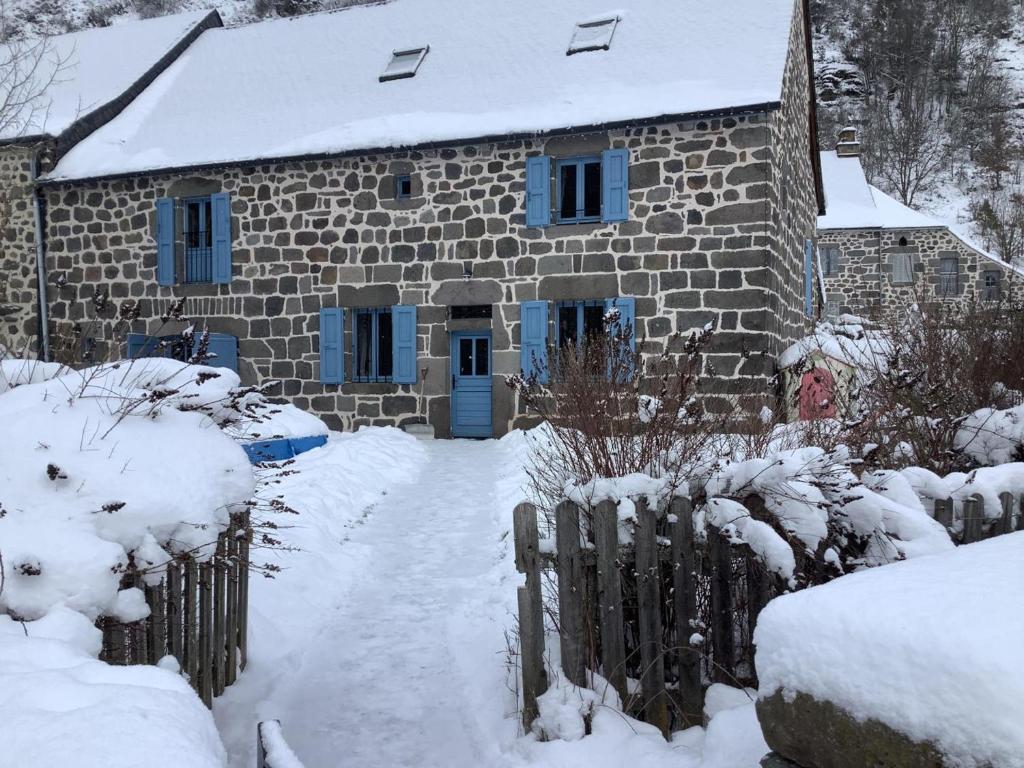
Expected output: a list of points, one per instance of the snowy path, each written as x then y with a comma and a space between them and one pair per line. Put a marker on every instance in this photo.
405, 671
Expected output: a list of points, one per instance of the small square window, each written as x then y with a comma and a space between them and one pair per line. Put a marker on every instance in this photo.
403, 186
404, 63
592, 36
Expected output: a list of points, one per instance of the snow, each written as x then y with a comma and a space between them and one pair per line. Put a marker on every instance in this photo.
847, 342
501, 69
991, 436
735, 521
84, 73
61, 707
913, 644
98, 465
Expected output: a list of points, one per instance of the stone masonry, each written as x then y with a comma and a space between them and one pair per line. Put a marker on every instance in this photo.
864, 281
18, 282
719, 212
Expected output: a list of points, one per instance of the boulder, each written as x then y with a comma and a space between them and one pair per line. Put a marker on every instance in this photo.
818, 734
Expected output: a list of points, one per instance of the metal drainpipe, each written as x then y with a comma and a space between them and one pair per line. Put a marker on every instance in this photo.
43, 308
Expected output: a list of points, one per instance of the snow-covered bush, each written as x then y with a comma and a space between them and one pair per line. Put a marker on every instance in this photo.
117, 466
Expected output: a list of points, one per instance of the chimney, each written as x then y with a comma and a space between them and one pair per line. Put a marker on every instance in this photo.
848, 145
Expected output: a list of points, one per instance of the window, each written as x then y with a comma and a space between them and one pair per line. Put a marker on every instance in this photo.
474, 357
470, 312
990, 286
404, 63
580, 320
578, 189
902, 269
371, 345
403, 186
592, 36
829, 260
196, 220
949, 276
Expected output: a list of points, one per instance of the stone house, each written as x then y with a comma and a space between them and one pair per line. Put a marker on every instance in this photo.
390, 208
876, 254
56, 92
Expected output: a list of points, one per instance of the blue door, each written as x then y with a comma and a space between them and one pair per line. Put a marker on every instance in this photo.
471, 384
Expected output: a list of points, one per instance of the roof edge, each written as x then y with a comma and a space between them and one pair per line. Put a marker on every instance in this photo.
103, 114
750, 109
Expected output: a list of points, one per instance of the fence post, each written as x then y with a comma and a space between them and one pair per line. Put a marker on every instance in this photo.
1006, 523
219, 608
570, 592
231, 629
973, 516
243, 590
157, 625
609, 596
944, 512
531, 610
721, 607
684, 595
648, 579
206, 633
173, 582
188, 605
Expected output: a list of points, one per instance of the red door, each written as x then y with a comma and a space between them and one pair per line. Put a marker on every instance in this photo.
817, 395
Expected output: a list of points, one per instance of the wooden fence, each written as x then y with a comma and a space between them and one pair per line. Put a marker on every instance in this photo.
657, 617
662, 616
198, 614
975, 525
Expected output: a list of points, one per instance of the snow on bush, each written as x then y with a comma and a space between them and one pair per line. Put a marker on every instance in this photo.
919, 645
991, 436
107, 467
61, 707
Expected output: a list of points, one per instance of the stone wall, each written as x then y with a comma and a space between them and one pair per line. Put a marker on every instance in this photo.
18, 315
718, 213
864, 280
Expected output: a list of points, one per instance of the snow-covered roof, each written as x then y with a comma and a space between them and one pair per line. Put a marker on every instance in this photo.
310, 85
852, 203
66, 77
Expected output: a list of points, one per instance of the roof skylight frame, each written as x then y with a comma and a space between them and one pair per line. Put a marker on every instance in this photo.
405, 62
595, 35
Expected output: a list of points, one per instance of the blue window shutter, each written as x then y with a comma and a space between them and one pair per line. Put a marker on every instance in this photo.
165, 241
615, 185
533, 338
809, 278
222, 348
332, 356
538, 191
403, 344
220, 210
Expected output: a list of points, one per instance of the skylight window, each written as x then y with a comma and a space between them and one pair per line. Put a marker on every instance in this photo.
593, 36
404, 63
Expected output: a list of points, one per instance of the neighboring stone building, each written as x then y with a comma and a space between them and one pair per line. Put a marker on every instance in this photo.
877, 254
55, 92
392, 207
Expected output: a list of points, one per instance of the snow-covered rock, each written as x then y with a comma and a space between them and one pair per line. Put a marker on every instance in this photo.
919, 646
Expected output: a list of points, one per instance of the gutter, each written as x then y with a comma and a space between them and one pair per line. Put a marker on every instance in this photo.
43, 305
751, 109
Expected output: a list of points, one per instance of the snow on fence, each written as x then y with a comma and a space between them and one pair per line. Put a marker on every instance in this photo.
198, 615
272, 751
975, 523
657, 617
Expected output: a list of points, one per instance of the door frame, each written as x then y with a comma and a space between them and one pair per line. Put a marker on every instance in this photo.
453, 355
